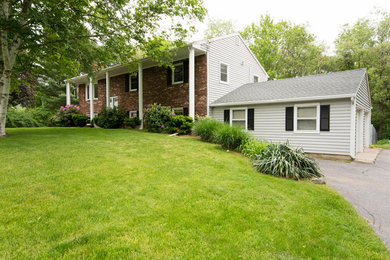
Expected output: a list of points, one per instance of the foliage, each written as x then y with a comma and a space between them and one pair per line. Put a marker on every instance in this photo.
80, 120
63, 117
366, 44
231, 137
284, 49
283, 161
132, 122
41, 115
383, 141
23, 93
110, 186
218, 27
206, 128
157, 118
20, 117
252, 147
111, 117
51, 94
183, 124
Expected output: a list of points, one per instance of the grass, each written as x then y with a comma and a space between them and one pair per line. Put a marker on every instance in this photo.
384, 146
97, 193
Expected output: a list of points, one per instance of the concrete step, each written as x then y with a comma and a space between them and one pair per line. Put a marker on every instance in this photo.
368, 156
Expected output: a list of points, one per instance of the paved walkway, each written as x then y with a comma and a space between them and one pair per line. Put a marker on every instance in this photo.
367, 187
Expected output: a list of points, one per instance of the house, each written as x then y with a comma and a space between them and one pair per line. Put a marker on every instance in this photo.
326, 113
203, 72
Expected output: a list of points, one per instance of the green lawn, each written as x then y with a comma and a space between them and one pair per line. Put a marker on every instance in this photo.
384, 146
95, 193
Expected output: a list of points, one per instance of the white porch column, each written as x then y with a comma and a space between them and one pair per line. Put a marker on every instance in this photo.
91, 98
192, 83
107, 89
140, 95
67, 93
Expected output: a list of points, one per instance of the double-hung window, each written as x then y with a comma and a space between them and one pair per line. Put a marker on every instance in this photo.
88, 94
306, 118
178, 73
113, 102
239, 117
224, 73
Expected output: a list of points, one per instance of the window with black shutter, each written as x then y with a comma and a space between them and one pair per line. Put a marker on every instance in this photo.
127, 82
226, 116
185, 111
324, 117
169, 76
289, 119
134, 82
251, 119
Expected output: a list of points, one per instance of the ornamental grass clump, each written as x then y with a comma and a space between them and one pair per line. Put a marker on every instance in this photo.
206, 128
253, 147
231, 137
281, 160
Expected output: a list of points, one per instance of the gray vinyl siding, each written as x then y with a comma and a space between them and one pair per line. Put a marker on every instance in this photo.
242, 66
270, 126
363, 99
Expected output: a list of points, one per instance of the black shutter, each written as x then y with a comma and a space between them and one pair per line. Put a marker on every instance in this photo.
289, 118
169, 76
251, 119
324, 117
185, 111
186, 70
137, 113
127, 82
226, 116
134, 82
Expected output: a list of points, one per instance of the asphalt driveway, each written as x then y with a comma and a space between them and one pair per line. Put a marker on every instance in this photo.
366, 187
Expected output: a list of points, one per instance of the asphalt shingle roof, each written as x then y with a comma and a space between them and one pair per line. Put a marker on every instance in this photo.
321, 85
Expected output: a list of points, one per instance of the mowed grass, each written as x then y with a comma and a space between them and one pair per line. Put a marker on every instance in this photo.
384, 146
96, 193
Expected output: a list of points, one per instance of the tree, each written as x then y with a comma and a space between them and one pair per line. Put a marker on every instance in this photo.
218, 27
284, 49
366, 44
87, 32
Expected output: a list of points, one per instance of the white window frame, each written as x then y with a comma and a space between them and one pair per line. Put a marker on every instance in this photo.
258, 78
246, 116
173, 73
220, 72
112, 102
178, 108
317, 118
132, 112
130, 78
87, 90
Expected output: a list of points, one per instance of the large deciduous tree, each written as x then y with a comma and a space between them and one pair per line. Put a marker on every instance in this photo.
366, 44
218, 27
73, 35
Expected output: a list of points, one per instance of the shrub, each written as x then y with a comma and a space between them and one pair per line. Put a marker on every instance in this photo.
42, 115
283, 161
252, 147
383, 141
132, 122
182, 124
231, 137
80, 120
111, 117
64, 115
20, 117
157, 118
206, 128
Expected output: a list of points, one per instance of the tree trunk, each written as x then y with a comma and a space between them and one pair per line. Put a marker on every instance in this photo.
5, 86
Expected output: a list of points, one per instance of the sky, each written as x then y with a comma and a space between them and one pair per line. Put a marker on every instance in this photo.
324, 18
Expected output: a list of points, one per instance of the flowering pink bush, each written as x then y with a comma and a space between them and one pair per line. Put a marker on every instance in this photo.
64, 115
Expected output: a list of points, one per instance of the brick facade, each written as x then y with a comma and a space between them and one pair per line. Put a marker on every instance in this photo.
155, 90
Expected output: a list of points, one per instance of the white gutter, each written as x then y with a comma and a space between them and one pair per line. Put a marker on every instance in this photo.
284, 100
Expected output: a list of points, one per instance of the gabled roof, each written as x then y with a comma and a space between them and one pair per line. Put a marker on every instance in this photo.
330, 85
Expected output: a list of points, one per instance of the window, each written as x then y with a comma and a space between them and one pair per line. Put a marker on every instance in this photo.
178, 73
133, 114
255, 79
239, 117
134, 83
113, 102
178, 111
307, 118
87, 94
224, 77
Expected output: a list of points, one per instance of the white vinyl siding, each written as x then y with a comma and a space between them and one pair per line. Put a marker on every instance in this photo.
270, 125
242, 66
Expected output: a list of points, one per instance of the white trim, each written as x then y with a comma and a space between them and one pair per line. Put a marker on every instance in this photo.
286, 100
360, 131
227, 72
246, 116
191, 83
140, 95
208, 85
317, 118
112, 101
173, 73
132, 111
67, 93
91, 93
107, 89
88, 89
352, 135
